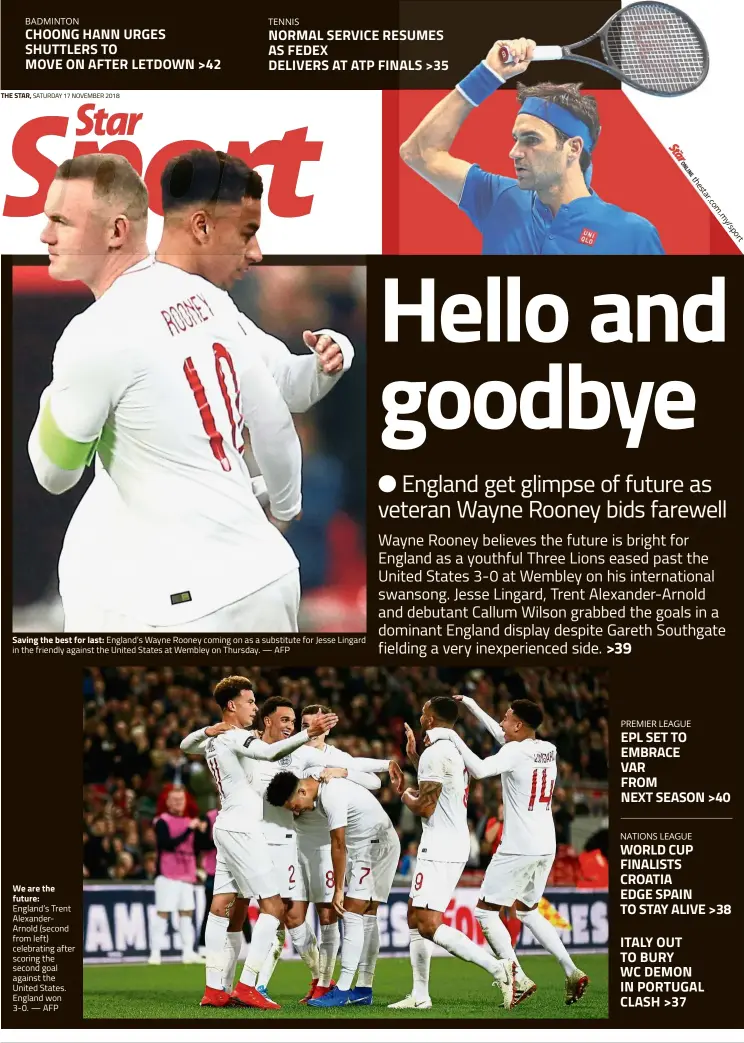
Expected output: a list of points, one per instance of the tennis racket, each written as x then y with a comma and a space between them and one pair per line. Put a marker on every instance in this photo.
650, 46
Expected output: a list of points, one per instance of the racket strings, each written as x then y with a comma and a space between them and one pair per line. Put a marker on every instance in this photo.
656, 48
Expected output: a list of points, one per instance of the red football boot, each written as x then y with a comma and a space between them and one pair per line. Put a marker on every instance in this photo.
310, 991
249, 996
321, 990
215, 998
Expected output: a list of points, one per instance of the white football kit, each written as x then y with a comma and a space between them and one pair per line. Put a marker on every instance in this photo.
520, 867
372, 845
294, 873
444, 847
244, 863
159, 377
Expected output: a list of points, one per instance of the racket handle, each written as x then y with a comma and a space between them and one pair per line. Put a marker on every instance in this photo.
540, 54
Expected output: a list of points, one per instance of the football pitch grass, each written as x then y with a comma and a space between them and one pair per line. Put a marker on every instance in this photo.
458, 990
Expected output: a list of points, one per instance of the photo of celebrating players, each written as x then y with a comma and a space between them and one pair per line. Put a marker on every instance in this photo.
200, 422
265, 842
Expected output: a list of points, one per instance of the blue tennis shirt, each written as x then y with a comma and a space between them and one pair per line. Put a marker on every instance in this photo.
513, 221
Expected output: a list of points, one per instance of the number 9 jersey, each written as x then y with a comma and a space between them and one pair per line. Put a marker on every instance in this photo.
159, 377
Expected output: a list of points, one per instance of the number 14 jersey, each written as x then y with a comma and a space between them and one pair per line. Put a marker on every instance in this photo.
528, 772
167, 371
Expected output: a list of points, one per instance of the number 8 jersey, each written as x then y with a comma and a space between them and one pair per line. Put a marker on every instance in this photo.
159, 377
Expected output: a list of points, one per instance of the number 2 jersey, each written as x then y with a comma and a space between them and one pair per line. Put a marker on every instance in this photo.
166, 370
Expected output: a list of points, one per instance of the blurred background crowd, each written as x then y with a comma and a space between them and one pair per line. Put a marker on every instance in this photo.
135, 718
328, 539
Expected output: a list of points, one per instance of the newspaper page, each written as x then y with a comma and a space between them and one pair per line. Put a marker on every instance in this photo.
373, 473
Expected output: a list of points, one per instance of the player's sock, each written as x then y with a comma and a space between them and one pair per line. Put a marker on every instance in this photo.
420, 962
458, 944
188, 934
496, 935
330, 943
514, 927
262, 939
370, 951
306, 945
272, 959
234, 944
158, 935
351, 950
215, 942
548, 937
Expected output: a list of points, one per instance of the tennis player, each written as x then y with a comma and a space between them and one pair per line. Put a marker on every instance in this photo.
548, 207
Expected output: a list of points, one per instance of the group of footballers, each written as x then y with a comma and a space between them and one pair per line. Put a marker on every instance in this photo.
298, 824
183, 402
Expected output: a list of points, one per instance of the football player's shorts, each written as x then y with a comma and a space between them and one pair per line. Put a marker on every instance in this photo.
511, 878
172, 896
289, 876
371, 868
244, 865
318, 878
433, 885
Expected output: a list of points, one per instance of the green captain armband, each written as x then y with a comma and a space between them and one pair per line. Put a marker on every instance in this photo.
62, 451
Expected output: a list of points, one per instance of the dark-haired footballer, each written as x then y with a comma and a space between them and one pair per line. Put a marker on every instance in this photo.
442, 802
548, 207
158, 381
519, 870
365, 850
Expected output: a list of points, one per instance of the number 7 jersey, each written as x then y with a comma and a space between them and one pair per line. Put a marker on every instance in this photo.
165, 372
528, 772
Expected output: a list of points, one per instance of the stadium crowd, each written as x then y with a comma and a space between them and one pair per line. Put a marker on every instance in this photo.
135, 718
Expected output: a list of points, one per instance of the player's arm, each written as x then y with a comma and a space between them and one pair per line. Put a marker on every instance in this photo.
338, 860
348, 770
196, 741
304, 379
257, 749
478, 767
427, 150
411, 751
273, 438
165, 841
491, 726
423, 801
87, 381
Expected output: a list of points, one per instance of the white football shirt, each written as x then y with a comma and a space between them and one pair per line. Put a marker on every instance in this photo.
166, 370
280, 823
312, 826
343, 803
445, 836
528, 771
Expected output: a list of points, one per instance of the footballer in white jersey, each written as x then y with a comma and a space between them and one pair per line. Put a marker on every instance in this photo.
158, 380
441, 800
518, 871
365, 851
244, 863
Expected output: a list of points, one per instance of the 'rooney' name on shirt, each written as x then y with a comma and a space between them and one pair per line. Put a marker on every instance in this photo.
180, 317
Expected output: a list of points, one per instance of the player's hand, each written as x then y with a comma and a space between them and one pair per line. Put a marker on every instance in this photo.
321, 724
282, 526
332, 773
410, 741
218, 729
521, 49
397, 778
338, 902
330, 356
457, 698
